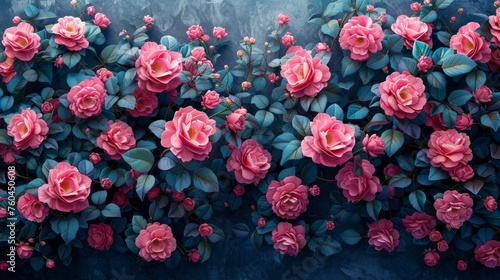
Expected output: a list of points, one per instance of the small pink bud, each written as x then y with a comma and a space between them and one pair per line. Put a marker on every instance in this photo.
340, 21
205, 38
415, 6
16, 20
217, 76
314, 190
148, 20
246, 85
330, 225
73, 2
226, 204
127, 37
226, 67
283, 19
261, 223
31, 240
266, 44
286, 94
252, 207
50, 263
453, 19
460, 10
427, 2
240, 53
43, 243
461, 265
370, 8
211, 47
90, 10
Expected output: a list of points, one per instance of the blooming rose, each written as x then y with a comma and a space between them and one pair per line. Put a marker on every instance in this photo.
442, 246
322, 47
464, 122
358, 187
69, 31
7, 70
66, 190
494, 61
87, 98
236, 121
390, 170
461, 265
289, 239
120, 199
315, 190
490, 203
101, 20
402, 95
188, 204
383, 236
435, 236
100, 236
419, 224
21, 41
331, 142
156, 242
288, 197
283, 20
90, 10
362, 37
470, 43
330, 225
117, 139
488, 253
373, 145
195, 32
210, 99
24, 250
104, 74
461, 173
47, 107
95, 158
431, 258
412, 29
494, 21
415, 6
449, 149
31, 208
205, 229
148, 20
483, 94
145, 103
250, 163
287, 39
219, 33
154, 193
453, 208
106, 183
194, 256
50, 263
305, 75
187, 135
27, 129
424, 64
435, 121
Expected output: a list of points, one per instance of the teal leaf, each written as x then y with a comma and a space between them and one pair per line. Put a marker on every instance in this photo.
127, 102
111, 211
140, 159
458, 64
437, 80
205, 180
67, 227
264, 118
349, 66
373, 208
331, 28
326, 245
71, 59
400, 181
459, 97
475, 79
417, 200
377, 60
31, 11
436, 174
282, 140
443, 4
336, 111
350, 236
292, 151
145, 183
492, 120
260, 101
109, 54
393, 140
357, 112
427, 14
138, 223
99, 197
301, 124
205, 251
421, 49
182, 181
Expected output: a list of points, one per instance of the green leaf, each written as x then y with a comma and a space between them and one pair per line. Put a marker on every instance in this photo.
204, 179
492, 120
443, 4
475, 79
31, 11
417, 200
140, 159
292, 151
357, 112
458, 64
331, 28
71, 59
377, 60
350, 236
145, 183
111, 211
301, 124
393, 140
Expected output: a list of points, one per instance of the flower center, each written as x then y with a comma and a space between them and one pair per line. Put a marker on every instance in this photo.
468, 45
192, 133
66, 186
360, 41
70, 29
23, 42
24, 130
405, 95
156, 67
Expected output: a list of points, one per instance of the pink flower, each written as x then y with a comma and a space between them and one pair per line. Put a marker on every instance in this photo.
195, 32
412, 29
287, 39
145, 103
415, 6
261, 222
16, 20
90, 10
59, 63
494, 61
483, 94
449, 149
331, 142
194, 256
21, 41
87, 98
464, 122
424, 64
246, 85
468, 42
187, 135
239, 190
104, 74
7, 70
442, 246
419, 224
198, 54
431, 258
178, 196
219, 33
210, 99
288, 197
205, 229
47, 107
95, 158
330, 225
402, 95
435, 121
3, 213
362, 37
358, 187
117, 139
283, 20
156, 242
101, 20
488, 254
494, 21
453, 208
305, 75
461, 265
27, 129
66, 190
373, 145
188, 204
383, 236
250, 163
106, 183
158, 69
322, 47
120, 199
490, 203
100, 236
32, 209
236, 121
435, 236
24, 250
273, 78
69, 32
315, 190
289, 239
148, 20
50, 263
7, 154
461, 173
390, 170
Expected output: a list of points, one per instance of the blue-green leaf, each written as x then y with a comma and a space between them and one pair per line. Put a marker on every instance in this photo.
377, 60
140, 159
437, 80
292, 151
458, 64
99, 197
336, 111
331, 28
427, 14
301, 124
475, 79
31, 11
349, 66
204, 179
127, 102
111, 211
492, 120
459, 97
436, 174
67, 227
71, 59
265, 118
282, 140
393, 140
350, 236
417, 200
357, 112
260, 101
145, 183
421, 49
373, 208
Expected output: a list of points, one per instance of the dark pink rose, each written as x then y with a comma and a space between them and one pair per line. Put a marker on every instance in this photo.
490, 203
7, 70
390, 170
59, 62
236, 121
90, 10
4, 265
322, 47
330, 225
402, 95
210, 99
283, 20
415, 6
483, 94
454, 208
435, 236
288, 197
289, 239
470, 43
431, 258
50, 263
106, 183
250, 163
449, 149
494, 21
362, 37
104, 74
358, 187
239, 190
145, 103
178, 196
188, 204
101, 20
95, 158
219, 33
373, 145
21, 41
24, 250
205, 229
156, 242
461, 173
87, 98
442, 246
419, 224
494, 62
117, 139
194, 256
412, 29
27, 129
261, 222
120, 199
464, 122
7, 153
435, 121
100, 236
383, 236
424, 64
3, 213
154, 193
69, 32
314, 190
47, 107
195, 32
461, 265
488, 254
32, 209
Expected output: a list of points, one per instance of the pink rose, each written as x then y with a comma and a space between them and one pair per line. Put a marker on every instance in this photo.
494, 21
322, 47
7, 70
7, 154
104, 74
145, 103
358, 187
236, 121
59, 62
273, 78
188, 204
454, 208
283, 20
494, 62
246, 85
314, 190
120, 199
415, 6
402, 95
306, 76
250, 163
27, 129
435, 236
101, 20
261, 222
488, 254
424, 64
95, 158
461, 265
390, 170
16, 20
100, 236
210, 99
87, 98
239, 190
419, 224
449, 149
331, 142
187, 135
461, 173
31, 208
50, 263
21, 41
490, 203
3, 213
117, 139
195, 32
178, 196
288, 197
470, 43
198, 54
383, 236
435, 121
464, 122
362, 37
412, 29
483, 94
205, 229
431, 258
90, 10
156, 242
24, 250
287, 39
148, 20
373, 145
194, 256
106, 183
154, 193
47, 107
289, 239
158, 69
219, 33
69, 32
442, 246
330, 225
66, 190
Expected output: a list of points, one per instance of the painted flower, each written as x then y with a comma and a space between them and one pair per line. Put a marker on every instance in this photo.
358, 185
195, 32
449, 149
101, 20
145, 103
488, 253
483, 94
117, 139
70, 32
419, 224
412, 29
87, 98
361, 37
288, 197
461, 173
383, 236
494, 21
373, 145
219, 33
31, 208
402, 95
100, 236
27, 129
7, 70
453, 208
289, 239
470, 43
21, 41
236, 120
210, 99
250, 163
156, 242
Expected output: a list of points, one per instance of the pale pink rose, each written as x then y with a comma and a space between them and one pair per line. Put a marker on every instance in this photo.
117, 139
449, 149
362, 37
322, 47
273, 78
66, 190
461, 173
289, 239
210, 99
435, 121
461, 265
431, 258
31, 208
490, 203
383, 236
435, 236
194, 256
494, 21
442, 246
288, 197
101, 20
470, 43
188, 204
21, 41
198, 54
158, 69
104, 74
236, 121
287, 39
87, 98
494, 62
69, 31
331, 142
24, 250
148, 20
373, 145
156, 242
306, 76
59, 63
100, 236
358, 187
16, 20
27, 129
454, 208
90, 10
412, 29
483, 94
402, 95
95, 158
283, 20
424, 64
464, 122
195, 32
250, 163
7, 70
488, 254
415, 6
145, 103
187, 135
419, 224
391, 170
205, 230
106, 183
219, 33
